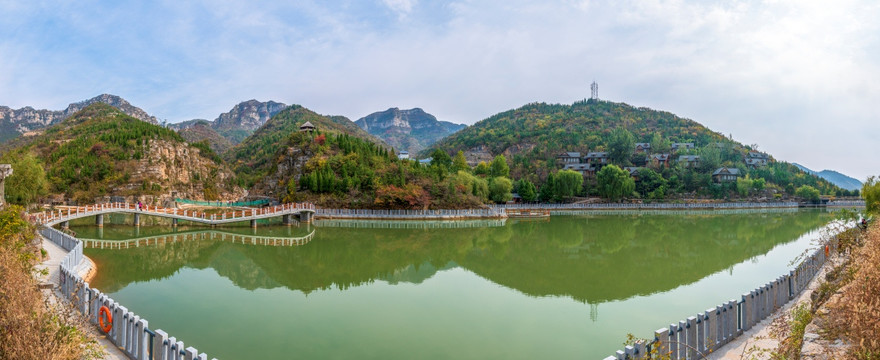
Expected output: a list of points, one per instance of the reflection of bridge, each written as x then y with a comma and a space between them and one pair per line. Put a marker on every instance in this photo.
198, 235
303, 211
409, 224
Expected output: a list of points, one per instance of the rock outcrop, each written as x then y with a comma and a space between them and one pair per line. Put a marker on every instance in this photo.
181, 171
239, 122
407, 130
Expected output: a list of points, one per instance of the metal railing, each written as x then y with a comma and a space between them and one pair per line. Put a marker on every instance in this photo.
129, 332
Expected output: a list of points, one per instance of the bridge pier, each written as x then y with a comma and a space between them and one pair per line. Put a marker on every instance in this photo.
137, 219
99, 220
65, 225
285, 219
101, 232
174, 222
254, 223
305, 217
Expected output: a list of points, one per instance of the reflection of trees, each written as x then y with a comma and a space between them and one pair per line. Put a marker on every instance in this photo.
590, 258
632, 255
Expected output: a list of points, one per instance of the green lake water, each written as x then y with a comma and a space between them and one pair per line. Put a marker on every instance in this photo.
570, 287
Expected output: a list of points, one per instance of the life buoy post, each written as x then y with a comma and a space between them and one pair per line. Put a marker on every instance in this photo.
104, 311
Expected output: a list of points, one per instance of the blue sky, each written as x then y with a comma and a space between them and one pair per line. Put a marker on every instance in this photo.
798, 78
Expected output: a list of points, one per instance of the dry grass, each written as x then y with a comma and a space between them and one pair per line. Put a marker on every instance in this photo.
30, 328
857, 317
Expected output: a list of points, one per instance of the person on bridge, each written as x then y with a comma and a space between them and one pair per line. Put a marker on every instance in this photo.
140, 206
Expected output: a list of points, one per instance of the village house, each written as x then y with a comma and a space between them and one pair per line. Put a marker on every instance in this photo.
724, 174
307, 127
587, 170
689, 161
756, 159
682, 146
426, 161
658, 160
597, 159
643, 148
633, 172
403, 155
569, 157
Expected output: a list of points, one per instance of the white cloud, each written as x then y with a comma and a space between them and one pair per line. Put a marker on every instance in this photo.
401, 7
784, 74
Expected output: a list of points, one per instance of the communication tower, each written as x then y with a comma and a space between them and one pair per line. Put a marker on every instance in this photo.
594, 91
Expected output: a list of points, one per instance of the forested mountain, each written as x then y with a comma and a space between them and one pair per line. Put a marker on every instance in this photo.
531, 137
836, 178
239, 122
254, 156
411, 130
99, 151
201, 131
14, 122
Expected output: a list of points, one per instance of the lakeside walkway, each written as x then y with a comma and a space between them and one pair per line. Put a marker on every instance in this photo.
759, 342
52, 264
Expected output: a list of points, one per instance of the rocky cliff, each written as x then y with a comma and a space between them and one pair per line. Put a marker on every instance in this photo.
181, 171
410, 130
239, 122
14, 122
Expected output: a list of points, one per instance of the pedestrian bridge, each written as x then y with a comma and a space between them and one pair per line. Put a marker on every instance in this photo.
303, 211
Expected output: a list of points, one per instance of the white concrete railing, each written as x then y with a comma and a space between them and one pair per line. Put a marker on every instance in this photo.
699, 335
651, 206
414, 214
856, 203
75, 212
198, 235
129, 331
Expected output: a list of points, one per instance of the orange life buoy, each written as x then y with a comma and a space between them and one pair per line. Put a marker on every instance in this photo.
105, 311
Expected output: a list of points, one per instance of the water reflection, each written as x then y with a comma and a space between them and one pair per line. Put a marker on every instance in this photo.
590, 258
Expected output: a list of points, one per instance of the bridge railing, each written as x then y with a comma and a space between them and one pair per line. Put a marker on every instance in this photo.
73, 212
707, 331
414, 214
650, 206
844, 203
129, 332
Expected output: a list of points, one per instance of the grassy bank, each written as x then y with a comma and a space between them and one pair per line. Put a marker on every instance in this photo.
30, 327
856, 316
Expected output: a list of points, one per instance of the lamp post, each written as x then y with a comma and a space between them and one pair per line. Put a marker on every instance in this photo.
5, 171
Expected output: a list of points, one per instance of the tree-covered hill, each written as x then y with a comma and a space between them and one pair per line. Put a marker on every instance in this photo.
201, 131
257, 154
532, 136
100, 151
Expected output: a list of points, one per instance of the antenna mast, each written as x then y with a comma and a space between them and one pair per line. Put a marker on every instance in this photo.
594, 91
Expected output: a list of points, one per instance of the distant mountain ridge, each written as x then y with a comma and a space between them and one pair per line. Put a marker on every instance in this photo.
14, 122
411, 129
836, 178
239, 122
